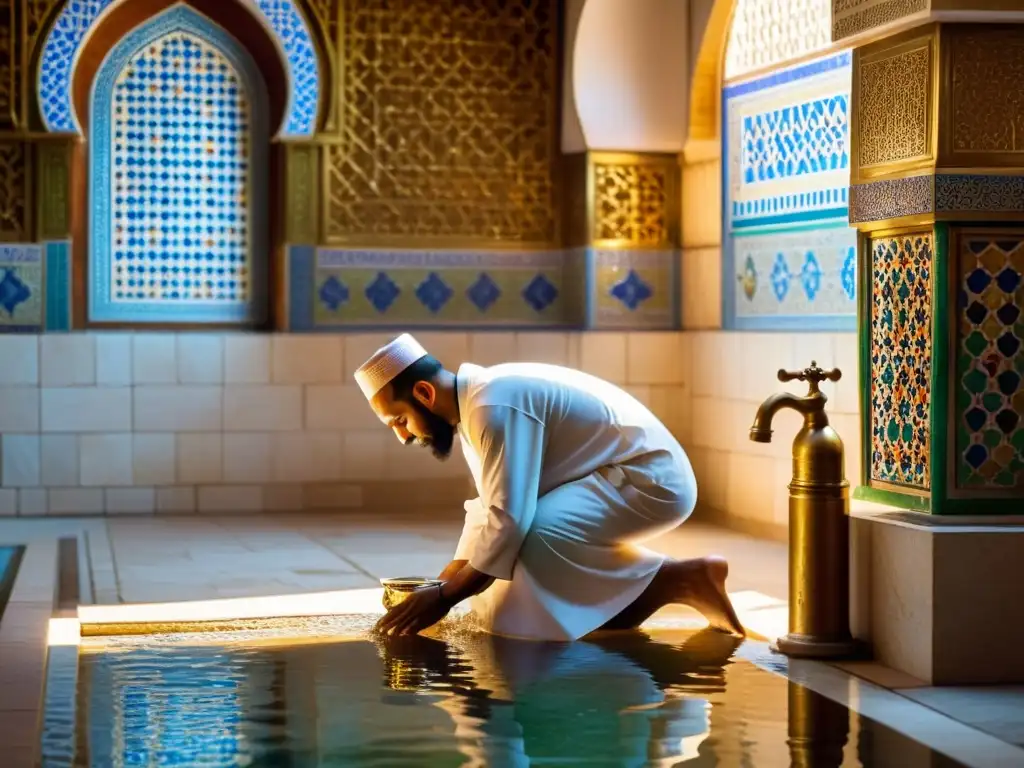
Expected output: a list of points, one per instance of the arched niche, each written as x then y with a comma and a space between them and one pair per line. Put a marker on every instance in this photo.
288, 28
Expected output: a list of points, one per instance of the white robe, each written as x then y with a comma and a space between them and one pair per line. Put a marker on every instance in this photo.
572, 474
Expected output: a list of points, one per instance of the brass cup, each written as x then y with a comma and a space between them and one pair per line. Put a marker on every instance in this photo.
397, 590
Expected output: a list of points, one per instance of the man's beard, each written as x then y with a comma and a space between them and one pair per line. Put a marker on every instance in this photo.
442, 434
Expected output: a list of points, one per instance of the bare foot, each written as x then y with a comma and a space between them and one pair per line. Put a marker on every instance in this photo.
703, 588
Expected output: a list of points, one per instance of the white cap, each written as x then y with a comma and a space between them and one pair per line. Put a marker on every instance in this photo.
387, 362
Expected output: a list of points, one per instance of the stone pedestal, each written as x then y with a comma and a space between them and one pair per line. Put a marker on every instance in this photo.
937, 193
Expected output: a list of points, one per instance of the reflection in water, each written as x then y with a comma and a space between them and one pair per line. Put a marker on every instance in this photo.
460, 699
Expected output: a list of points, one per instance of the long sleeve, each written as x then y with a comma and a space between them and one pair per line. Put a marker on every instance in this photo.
511, 448
476, 521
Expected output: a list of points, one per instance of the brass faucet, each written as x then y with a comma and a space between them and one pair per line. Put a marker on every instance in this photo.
819, 536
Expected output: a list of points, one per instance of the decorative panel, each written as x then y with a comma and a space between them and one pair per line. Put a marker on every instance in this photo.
281, 17
634, 289
766, 33
900, 349
53, 189
986, 95
302, 174
177, 195
788, 245
893, 92
851, 17
443, 288
450, 124
989, 362
15, 191
636, 201
21, 288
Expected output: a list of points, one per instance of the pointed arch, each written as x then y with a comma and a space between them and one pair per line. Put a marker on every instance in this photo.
178, 230
291, 32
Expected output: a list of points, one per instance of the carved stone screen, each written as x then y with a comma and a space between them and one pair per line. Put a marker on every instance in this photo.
767, 33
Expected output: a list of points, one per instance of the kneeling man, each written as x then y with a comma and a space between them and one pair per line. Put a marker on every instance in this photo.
572, 475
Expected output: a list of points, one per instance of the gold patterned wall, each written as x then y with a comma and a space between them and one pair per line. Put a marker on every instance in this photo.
446, 125
851, 17
893, 96
983, 115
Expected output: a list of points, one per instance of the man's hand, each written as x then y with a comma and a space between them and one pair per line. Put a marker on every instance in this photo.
422, 609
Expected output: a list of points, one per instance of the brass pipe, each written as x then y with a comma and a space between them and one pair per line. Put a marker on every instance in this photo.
819, 535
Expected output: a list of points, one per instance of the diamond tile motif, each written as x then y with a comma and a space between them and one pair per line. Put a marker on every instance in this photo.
780, 277
382, 292
333, 293
810, 275
848, 275
989, 387
280, 16
13, 291
540, 293
181, 173
433, 293
796, 140
901, 359
21, 288
632, 291
483, 292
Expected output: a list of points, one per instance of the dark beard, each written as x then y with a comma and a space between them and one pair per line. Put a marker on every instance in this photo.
442, 434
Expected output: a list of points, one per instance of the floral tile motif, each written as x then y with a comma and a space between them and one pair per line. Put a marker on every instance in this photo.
989, 386
901, 359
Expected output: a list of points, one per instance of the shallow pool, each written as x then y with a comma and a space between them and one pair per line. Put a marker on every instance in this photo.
662, 698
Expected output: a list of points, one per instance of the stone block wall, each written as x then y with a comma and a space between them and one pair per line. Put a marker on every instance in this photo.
140, 423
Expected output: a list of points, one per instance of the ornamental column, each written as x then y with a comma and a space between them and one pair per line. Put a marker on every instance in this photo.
937, 194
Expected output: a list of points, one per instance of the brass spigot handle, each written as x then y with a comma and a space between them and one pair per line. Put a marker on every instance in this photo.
813, 375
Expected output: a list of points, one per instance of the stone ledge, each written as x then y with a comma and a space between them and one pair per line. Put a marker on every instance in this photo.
939, 599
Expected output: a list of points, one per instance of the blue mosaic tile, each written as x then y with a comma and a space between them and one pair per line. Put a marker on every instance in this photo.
13, 291
810, 275
382, 292
796, 140
780, 277
483, 292
281, 16
540, 293
849, 274
21, 288
174, 172
632, 291
433, 293
333, 293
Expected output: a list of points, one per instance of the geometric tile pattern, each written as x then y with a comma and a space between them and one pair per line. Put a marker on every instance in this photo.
766, 33
901, 359
175, 176
990, 363
796, 140
281, 17
796, 273
181, 176
21, 288
443, 288
788, 243
634, 289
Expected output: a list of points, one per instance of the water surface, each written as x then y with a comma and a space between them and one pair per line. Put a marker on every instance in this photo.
662, 698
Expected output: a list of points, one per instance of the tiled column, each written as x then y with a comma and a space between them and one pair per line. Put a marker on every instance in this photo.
937, 194
623, 232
